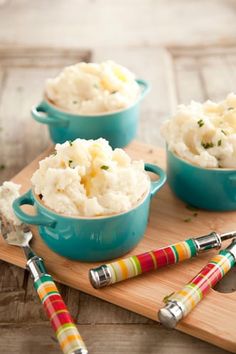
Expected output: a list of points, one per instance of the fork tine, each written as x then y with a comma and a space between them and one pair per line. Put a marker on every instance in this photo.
6, 226
25, 228
11, 227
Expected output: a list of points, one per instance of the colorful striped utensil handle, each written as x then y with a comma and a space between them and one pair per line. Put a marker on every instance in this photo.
135, 265
130, 267
179, 304
66, 332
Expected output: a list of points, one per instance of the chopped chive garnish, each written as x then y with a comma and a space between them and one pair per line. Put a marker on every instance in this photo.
70, 142
70, 162
219, 142
74, 102
187, 219
223, 132
104, 167
113, 92
207, 145
230, 108
200, 123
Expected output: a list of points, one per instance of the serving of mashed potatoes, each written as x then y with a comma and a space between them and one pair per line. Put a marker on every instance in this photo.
90, 88
88, 178
204, 134
9, 191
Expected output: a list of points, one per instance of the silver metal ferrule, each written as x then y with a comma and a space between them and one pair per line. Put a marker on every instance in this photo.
80, 351
171, 314
232, 248
36, 267
207, 242
100, 276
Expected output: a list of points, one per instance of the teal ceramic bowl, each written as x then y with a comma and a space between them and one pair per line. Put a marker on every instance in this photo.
91, 239
210, 189
119, 127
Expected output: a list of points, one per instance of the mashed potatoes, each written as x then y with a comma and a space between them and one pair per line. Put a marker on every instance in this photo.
88, 178
93, 88
204, 134
9, 191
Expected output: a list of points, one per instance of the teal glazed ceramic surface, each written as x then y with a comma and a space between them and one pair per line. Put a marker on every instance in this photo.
91, 239
119, 127
211, 189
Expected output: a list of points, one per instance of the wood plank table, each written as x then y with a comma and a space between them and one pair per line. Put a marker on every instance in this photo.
186, 49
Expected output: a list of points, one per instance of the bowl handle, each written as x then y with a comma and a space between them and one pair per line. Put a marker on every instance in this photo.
156, 185
145, 87
40, 114
38, 219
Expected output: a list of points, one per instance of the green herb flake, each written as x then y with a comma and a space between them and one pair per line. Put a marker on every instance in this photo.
207, 145
200, 123
70, 142
219, 142
74, 102
2, 167
70, 162
222, 131
166, 298
104, 167
96, 86
188, 219
113, 92
230, 108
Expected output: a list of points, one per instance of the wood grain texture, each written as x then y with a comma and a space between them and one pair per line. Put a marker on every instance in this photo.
173, 81
122, 24
144, 294
135, 33
103, 338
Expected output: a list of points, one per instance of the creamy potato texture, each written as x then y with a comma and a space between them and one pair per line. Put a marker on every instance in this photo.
9, 191
88, 178
90, 88
204, 134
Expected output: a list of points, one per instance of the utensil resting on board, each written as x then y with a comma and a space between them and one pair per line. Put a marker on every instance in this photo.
130, 267
179, 304
66, 332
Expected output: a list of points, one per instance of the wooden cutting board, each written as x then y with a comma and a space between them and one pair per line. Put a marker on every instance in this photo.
213, 320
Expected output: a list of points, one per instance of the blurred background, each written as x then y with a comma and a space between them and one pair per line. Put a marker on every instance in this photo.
186, 49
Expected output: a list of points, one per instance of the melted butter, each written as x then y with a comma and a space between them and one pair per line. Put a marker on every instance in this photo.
63, 164
86, 180
121, 76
